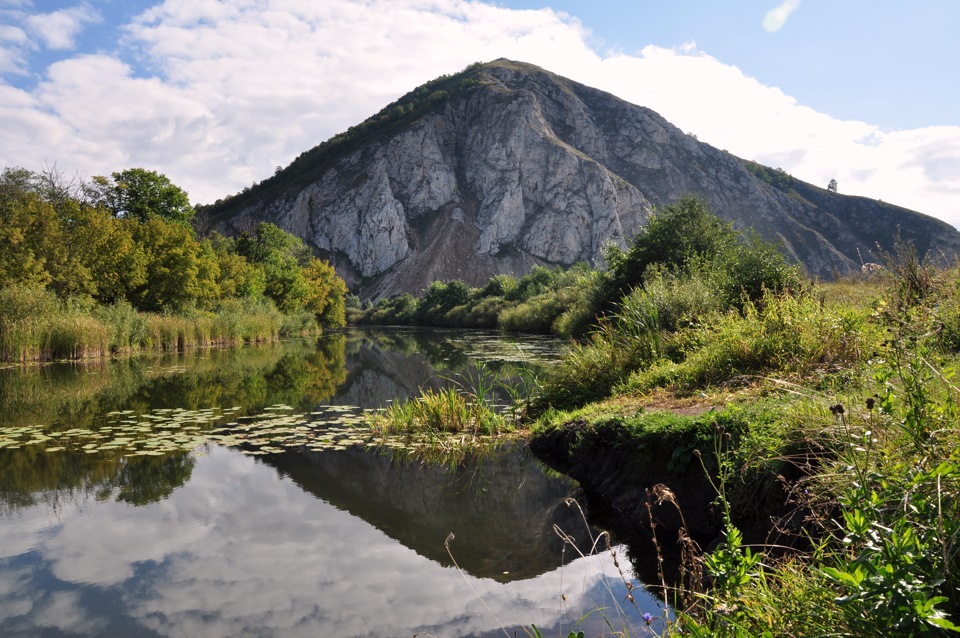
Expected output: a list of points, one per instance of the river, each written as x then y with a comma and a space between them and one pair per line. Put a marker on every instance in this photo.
176, 496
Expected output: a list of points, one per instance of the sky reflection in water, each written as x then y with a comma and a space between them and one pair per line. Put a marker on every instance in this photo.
241, 551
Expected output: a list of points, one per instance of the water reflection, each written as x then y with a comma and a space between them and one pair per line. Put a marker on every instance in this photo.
502, 507
215, 543
240, 551
359, 368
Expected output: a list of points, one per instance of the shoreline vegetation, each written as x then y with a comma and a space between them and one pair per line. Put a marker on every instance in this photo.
115, 266
820, 419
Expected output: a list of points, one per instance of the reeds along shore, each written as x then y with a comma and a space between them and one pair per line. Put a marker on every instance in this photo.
36, 326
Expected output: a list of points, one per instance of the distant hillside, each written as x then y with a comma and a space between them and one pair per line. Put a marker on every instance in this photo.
504, 166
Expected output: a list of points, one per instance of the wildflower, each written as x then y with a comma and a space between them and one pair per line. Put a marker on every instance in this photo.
647, 618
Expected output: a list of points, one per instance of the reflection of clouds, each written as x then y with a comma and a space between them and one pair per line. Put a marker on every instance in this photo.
23, 609
237, 552
14, 585
21, 532
65, 611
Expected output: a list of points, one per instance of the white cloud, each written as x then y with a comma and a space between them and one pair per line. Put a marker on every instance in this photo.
777, 17
59, 29
13, 42
729, 110
227, 91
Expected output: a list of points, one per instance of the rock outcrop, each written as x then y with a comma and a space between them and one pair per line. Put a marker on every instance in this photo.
506, 166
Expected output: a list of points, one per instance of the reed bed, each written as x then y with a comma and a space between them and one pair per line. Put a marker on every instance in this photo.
36, 326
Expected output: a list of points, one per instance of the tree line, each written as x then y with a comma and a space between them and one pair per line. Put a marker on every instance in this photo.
128, 239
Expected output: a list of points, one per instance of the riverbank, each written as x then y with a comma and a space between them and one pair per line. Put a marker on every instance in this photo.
801, 454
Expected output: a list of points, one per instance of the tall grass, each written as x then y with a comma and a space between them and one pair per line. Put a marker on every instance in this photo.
861, 451
449, 410
36, 326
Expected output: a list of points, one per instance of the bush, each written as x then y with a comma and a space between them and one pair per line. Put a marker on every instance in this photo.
681, 300
682, 235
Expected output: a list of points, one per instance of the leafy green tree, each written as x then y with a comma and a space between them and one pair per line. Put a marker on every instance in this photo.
25, 222
238, 277
326, 294
832, 186
181, 272
49, 237
282, 257
137, 193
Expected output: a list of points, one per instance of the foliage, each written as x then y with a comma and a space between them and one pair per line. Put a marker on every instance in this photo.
326, 293
180, 272
137, 193
543, 301
126, 244
687, 239
778, 178
282, 257
863, 455
676, 238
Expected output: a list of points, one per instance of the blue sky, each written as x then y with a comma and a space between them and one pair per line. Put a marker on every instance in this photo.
885, 62
216, 94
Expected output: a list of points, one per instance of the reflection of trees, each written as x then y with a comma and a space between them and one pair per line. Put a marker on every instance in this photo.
144, 480
30, 476
300, 373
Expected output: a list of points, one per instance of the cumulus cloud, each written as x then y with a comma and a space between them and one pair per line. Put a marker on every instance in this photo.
215, 95
777, 17
59, 29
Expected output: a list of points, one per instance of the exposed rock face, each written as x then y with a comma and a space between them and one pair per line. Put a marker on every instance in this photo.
524, 167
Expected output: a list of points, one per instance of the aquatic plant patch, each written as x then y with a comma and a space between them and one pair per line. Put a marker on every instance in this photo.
278, 428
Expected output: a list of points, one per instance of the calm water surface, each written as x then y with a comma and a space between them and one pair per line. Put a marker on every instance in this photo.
214, 542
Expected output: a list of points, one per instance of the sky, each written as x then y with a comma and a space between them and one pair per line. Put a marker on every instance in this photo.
216, 94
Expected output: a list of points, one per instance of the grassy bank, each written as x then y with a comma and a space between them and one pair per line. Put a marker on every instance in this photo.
36, 326
825, 416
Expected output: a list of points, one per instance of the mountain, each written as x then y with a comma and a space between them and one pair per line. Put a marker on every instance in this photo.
505, 165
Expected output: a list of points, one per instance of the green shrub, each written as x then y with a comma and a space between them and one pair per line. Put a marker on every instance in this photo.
298, 323
681, 300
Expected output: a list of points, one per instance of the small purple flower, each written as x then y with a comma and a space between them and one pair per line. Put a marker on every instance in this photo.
648, 618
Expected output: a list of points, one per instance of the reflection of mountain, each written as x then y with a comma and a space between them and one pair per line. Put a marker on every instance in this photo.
395, 364
502, 509
376, 376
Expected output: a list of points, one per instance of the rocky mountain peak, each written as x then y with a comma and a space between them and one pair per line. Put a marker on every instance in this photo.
505, 165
